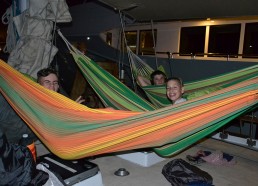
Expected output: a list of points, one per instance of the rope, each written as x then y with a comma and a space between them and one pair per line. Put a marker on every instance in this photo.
122, 25
53, 34
7, 18
70, 47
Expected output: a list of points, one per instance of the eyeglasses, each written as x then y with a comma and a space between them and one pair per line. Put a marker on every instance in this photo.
49, 83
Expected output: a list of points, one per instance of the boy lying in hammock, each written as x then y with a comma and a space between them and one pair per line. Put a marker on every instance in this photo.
157, 78
175, 90
48, 78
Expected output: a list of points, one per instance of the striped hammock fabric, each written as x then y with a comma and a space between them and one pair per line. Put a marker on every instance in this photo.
139, 67
110, 90
71, 130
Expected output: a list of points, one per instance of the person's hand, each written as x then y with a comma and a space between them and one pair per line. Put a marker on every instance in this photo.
80, 99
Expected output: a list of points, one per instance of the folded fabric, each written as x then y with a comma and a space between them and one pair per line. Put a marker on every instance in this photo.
219, 158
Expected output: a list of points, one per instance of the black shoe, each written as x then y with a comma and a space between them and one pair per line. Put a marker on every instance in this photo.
195, 159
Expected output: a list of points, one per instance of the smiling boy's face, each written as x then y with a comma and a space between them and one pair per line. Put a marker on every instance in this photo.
174, 90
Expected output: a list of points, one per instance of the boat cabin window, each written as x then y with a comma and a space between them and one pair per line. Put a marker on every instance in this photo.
224, 40
250, 49
131, 40
192, 40
148, 39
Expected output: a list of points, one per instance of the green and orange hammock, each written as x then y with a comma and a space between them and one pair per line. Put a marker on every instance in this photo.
71, 130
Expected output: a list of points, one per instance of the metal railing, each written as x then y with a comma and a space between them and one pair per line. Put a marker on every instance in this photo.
194, 55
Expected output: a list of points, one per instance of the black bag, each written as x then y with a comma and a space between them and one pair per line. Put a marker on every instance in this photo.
179, 172
17, 166
11, 123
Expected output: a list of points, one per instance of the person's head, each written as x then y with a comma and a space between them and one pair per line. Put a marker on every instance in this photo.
48, 78
158, 78
175, 88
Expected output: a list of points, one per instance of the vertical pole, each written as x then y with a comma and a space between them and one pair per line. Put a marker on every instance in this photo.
129, 58
154, 44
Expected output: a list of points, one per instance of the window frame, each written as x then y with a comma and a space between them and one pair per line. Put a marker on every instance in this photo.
140, 49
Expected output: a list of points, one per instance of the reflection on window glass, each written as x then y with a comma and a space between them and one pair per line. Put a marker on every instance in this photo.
192, 40
131, 40
224, 40
250, 49
109, 38
146, 45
